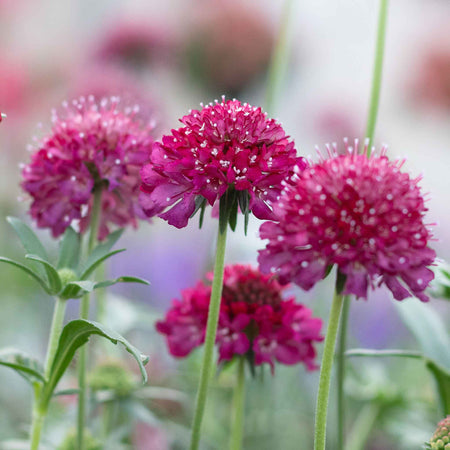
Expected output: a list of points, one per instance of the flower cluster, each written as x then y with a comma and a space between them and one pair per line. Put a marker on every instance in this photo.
91, 145
225, 144
441, 437
358, 212
253, 319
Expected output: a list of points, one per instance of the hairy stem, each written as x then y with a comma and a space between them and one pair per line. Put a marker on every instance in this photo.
210, 338
237, 419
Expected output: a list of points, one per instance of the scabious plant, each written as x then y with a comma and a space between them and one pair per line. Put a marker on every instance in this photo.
92, 145
228, 155
254, 321
359, 213
225, 148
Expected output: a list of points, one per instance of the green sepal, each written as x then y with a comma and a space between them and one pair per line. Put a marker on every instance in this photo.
75, 334
244, 202
125, 279
100, 253
76, 289
69, 250
27, 367
328, 270
340, 282
232, 219
200, 204
30, 241
442, 378
228, 210
54, 280
29, 271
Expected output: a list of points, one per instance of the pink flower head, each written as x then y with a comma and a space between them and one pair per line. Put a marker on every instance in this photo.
358, 212
254, 320
227, 146
90, 145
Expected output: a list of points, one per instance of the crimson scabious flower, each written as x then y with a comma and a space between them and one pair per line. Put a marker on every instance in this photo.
90, 145
358, 212
254, 319
227, 147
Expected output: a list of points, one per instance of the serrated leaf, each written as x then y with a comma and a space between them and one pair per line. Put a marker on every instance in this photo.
29, 271
428, 328
95, 263
24, 365
69, 251
442, 378
30, 241
75, 334
54, 280
76, 289
106, 283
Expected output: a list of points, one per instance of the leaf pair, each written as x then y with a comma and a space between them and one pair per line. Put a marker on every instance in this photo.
75, 334
52, 279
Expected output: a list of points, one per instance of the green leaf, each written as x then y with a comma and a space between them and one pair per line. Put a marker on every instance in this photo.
54, 280
442, 378
29, 240
95, 263
69, 251
76, 289
428, 328
101, 252
106, 283
24, 365
29, 271
75, 334
244, 202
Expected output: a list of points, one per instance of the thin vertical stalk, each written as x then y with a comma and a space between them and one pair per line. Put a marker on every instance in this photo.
325, 373
377, 72
210, 337
84, 314
237, 419
39, 412
363, 426
340, 372
279, 59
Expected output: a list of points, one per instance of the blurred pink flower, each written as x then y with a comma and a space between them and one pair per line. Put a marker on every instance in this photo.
225, 144
90, 144
14, 87
229, 45
431, 83
358, 212
135, 43
253, 318
148, 437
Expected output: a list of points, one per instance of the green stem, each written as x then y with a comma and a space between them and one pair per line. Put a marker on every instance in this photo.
279, 60
377, 72
325, 373
363, 426
237, 419
383, 353
84, 314
210, 338
340, 372
40, 412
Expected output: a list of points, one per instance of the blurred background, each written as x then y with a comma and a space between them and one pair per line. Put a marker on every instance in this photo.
168, 57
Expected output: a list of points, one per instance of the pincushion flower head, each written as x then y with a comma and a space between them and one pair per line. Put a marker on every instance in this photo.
225, 148
254, 319
358, 212
92, 145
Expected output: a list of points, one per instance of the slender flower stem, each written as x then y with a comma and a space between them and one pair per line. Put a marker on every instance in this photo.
340, 372
279, 60
377, 72
237, 419
39, 413
384, 353
84, 314
210, 338
325, 373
